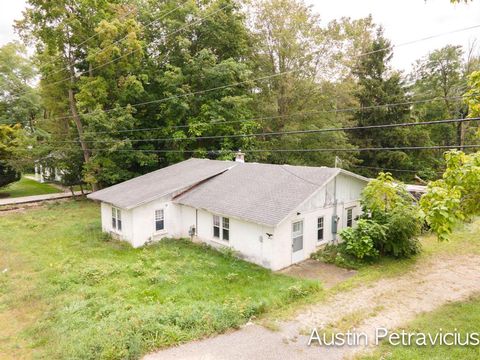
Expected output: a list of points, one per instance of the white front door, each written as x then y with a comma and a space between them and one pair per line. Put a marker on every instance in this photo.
297, 242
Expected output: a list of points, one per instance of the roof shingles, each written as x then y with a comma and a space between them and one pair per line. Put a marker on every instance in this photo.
165, 181
262, 193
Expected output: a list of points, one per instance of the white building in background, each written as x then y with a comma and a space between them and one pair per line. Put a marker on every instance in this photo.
272, 215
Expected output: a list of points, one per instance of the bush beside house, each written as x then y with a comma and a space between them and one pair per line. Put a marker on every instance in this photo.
390, 226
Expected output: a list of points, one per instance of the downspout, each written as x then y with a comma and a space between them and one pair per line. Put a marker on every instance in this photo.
335, 208
196, 222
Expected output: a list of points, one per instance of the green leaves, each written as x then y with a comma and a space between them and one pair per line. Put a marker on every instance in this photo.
456, 197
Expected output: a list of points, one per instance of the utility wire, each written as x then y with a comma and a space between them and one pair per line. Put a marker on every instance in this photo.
241, 82
100, 51
272, 117
282, 133
400, 148
389, 169
134, 51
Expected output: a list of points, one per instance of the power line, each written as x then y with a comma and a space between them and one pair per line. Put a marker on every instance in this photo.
274, 117
400, 148
282, 133
134, 51
241, 82
100, 51
389, 169
82, 43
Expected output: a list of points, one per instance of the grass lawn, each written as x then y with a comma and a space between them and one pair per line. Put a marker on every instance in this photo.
463, 316
27, 187
69, 292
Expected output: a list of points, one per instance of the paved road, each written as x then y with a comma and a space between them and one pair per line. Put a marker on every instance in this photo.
38, 198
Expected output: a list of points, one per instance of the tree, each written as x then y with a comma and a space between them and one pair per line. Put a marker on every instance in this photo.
386, 202
19, 101
455, 197
298, 59
9, 141
87, 53
380, 85
441, 74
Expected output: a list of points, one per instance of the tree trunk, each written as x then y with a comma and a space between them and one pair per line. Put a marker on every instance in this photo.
78, 122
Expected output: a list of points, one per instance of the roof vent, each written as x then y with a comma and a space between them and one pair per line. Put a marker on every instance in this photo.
239, 156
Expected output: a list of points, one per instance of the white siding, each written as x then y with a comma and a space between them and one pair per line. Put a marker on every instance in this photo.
250, 240
348, 191
127, 223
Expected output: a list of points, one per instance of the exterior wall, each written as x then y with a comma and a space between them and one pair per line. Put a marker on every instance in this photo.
144, 226
250, 240
127, 223
322, 203
247, 238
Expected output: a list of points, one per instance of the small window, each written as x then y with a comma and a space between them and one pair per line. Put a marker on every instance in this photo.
116, 219
216, 226
320, 223
159, 220
350, 217
226, 229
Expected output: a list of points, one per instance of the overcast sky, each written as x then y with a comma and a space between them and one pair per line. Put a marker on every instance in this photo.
403, 20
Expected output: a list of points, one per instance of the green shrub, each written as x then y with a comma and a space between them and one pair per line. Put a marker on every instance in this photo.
360, 241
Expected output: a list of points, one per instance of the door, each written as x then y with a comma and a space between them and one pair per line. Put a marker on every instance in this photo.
297, 241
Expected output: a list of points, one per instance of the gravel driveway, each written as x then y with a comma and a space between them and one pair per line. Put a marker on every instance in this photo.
387, 303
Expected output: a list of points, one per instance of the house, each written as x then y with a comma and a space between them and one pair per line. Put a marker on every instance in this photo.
272, 215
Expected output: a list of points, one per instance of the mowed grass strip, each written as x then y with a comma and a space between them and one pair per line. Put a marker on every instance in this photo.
67, 292
463, 317
27, 187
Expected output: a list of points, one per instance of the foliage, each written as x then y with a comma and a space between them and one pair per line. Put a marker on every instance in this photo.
105, 300
456, 196
336, 254
472, 96
360, 241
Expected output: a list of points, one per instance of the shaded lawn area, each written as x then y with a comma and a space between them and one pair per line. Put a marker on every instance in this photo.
463, 316
27, 187
70, 292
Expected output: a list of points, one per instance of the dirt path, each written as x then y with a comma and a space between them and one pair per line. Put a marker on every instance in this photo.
387, 303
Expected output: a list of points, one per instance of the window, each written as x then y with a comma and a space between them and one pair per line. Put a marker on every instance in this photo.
297, 236
349, 217
225, 227
216, 226
320, 222
159, 220
116, 219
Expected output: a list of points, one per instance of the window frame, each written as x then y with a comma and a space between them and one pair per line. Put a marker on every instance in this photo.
225, 228
221, 228
349, 211
159, 220
216, 225
117, 223
320, 228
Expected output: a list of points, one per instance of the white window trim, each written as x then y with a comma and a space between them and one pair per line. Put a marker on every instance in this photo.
323, 229
220, 238
162, 231
346, 215
116, 211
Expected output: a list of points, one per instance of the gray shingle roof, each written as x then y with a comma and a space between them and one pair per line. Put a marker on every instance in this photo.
161, 182
261, 193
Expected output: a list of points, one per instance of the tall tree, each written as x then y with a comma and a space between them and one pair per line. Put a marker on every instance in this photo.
19, 101
379, 85
297, 57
